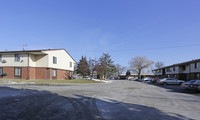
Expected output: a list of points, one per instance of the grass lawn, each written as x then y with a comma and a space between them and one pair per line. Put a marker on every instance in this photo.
51, 81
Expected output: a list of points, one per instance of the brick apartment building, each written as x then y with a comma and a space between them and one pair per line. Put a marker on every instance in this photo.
37, 64
184, 71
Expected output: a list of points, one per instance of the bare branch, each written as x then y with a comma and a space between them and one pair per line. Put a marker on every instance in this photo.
137, 64
159, 64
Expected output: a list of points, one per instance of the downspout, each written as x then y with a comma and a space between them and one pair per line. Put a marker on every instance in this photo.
189, 71
28, 68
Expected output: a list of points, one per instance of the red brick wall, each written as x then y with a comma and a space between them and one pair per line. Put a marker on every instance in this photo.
51, 74
62, 74
32, 75
9, 71
41, 73
24, 73
35, 73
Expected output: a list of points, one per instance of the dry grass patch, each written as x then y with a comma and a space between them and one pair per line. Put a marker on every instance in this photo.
50, 81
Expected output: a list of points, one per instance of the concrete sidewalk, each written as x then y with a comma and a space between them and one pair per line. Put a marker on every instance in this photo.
106, 81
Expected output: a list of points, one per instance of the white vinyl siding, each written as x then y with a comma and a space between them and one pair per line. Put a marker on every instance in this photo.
63, 60
43, 59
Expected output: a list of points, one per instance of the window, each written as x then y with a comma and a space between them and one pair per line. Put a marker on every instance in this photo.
183, 67
174, 68
1, 71
17, 57
0, 58
18, 71
158, 71
168, 70
174, 76
54, 60
70, 64
196, 65
53, 73
196, 76
70, 75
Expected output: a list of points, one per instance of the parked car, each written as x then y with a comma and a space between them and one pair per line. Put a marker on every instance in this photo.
86, 77
154, 80
195, 85
171, 81
133, 79
111, 78
147, 79
188, 85
158, 81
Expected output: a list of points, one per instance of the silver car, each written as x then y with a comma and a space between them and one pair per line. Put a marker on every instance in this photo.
147, 79
195, 85
171, 81
188, 84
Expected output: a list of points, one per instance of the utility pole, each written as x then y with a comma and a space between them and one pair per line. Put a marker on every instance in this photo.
24, 45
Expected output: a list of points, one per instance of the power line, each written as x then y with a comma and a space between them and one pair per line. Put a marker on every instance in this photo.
169, 47
143, 49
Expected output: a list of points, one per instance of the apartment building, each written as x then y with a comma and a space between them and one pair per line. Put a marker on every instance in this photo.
184, 71
37, 64
123, 76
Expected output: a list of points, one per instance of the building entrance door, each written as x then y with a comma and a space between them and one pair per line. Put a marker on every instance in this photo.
48, 74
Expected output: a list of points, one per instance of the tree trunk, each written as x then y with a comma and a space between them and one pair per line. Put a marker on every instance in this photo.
92, 75
139, 75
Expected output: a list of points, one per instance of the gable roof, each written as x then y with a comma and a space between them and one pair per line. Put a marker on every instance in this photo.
179, 64
34, 51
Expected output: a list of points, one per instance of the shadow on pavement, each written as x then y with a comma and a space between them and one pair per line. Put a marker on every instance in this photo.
27, 104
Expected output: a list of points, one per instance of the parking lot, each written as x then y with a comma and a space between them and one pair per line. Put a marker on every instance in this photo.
119, 100
178, 89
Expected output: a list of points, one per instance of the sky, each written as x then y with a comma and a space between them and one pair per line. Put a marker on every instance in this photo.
161, 30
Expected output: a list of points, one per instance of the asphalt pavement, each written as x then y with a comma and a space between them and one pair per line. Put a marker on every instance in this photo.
119, 100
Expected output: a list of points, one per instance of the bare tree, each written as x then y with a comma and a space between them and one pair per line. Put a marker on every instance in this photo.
92, 63
159, 64
139, 63
120, 69
128, 73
